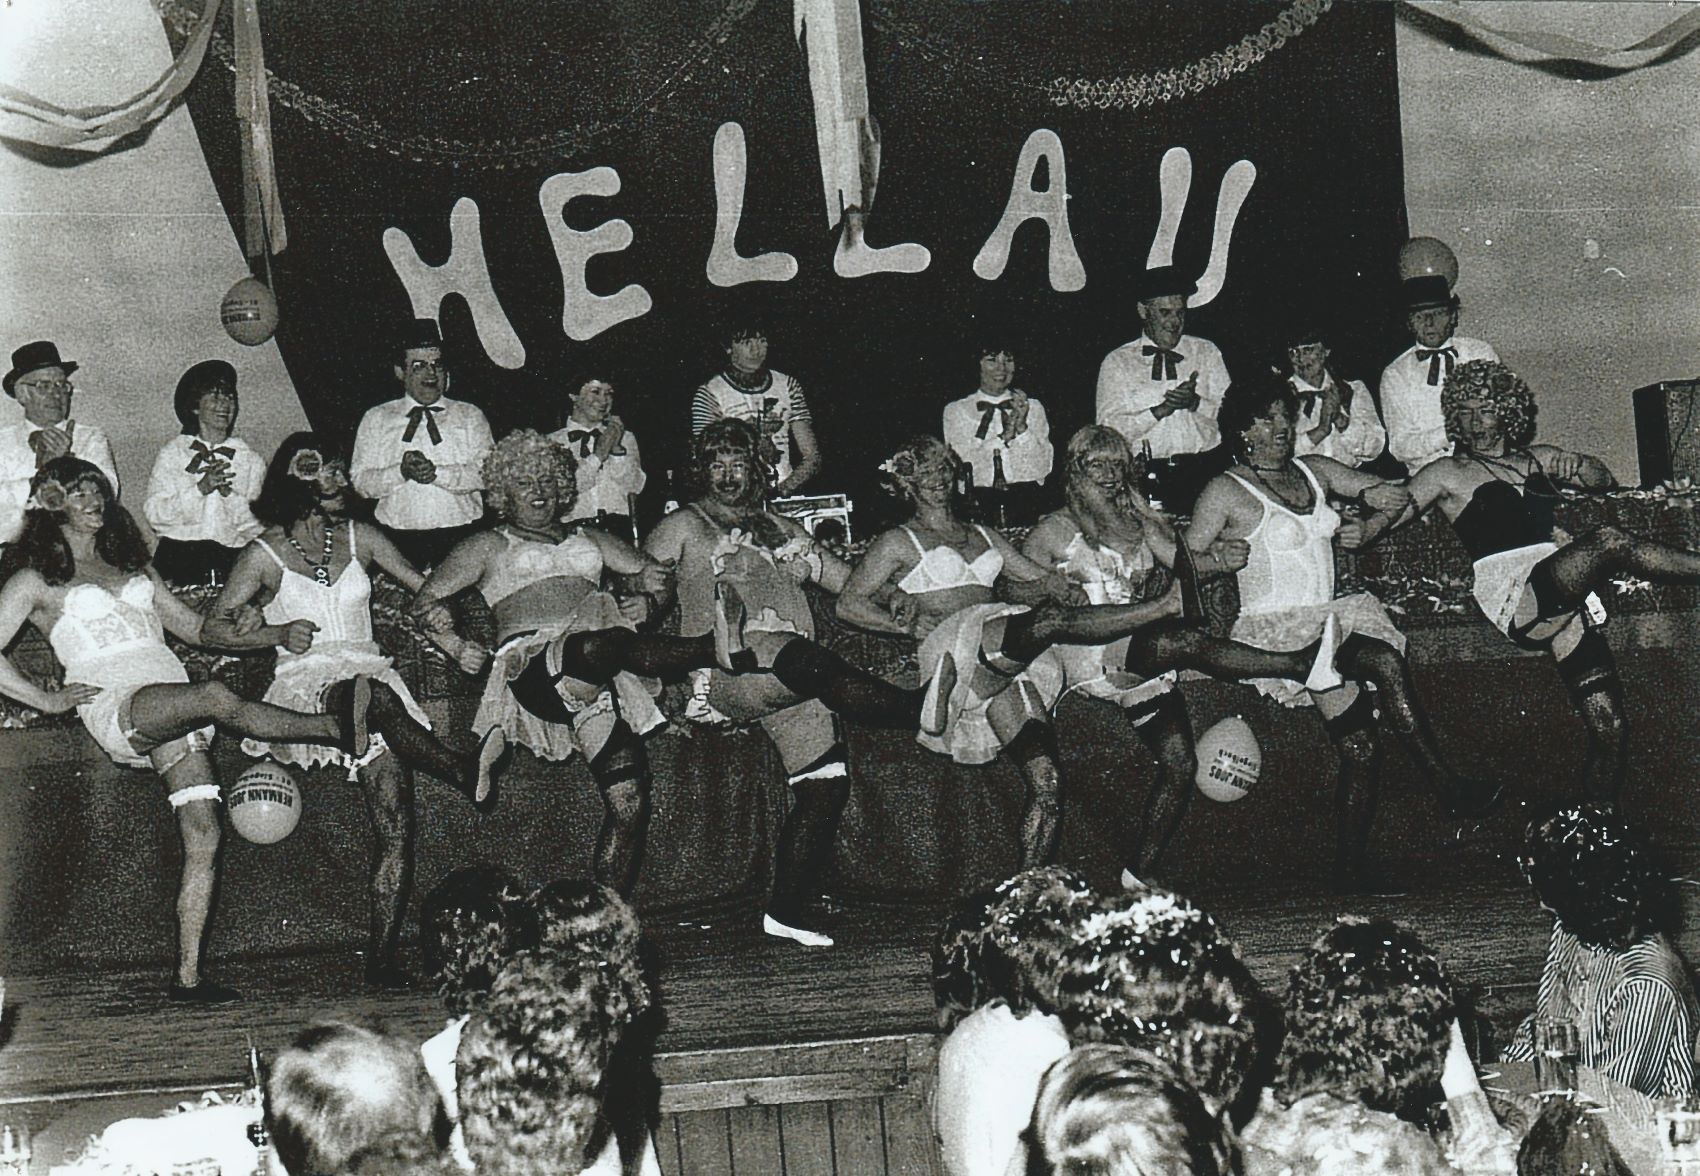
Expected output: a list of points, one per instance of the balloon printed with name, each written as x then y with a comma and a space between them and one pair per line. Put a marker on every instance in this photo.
1229, 760
1422, 257
264, 803
249, 312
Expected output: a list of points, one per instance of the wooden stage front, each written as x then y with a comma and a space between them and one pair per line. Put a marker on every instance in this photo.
772, 1058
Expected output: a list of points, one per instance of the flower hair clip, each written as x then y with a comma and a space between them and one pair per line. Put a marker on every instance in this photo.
889, 466
306, 464
48, 495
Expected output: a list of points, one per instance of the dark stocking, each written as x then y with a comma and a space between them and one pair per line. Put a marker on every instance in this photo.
1590, 674
814, 671
621, 772
415, 743
598, 655
1168, 735
1027, 635
1354, 736
1034, 750
1581, 566
805, 844
1173, 645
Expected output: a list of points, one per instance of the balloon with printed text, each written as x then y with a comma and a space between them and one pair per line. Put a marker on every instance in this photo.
249, 312
264, 803
1229, 760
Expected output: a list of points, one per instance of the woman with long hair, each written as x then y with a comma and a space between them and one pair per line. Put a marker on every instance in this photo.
79, 572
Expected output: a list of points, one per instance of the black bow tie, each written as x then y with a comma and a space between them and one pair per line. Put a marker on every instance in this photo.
1163, 362
206, 455
586, 438
426, 413
988, 410
1434, 357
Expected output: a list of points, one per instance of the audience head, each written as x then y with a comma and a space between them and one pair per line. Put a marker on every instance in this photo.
1004, 944
997, 355
1149, 969
1486, 404
339, 1088
470, 925
1566, 1139
590, 921
529, 1072
402, 1153
41, 382
1335, 1136
1592, 872
529, 479
1431, 309
728, 465
745, 343
1256, 406
1108, 1110
307, 473
592, 400
1307, 351
1161, 293
419, 364
208, 388
1369, 1013
70, 494
925, 468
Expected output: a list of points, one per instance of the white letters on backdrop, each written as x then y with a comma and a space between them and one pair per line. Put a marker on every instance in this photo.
585, 315
464, 273
1027, 203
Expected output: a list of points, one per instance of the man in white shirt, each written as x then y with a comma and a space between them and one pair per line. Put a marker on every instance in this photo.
1003, 437
610, 472
421, 456
772, 401
1411, 384
1337, 418
1162, 390
40, 381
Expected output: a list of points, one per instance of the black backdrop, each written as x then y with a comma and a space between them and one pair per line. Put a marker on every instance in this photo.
385, 113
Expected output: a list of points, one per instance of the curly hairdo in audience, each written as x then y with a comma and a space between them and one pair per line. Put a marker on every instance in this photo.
1489, 380
1151, 970
590, 920
1368, 1012
1592, 872
1108, 1110
526, 451
339, 1088
1004, 944
1249, 400
210, 375
730, 437
529, 1072
42, 545
470, 925
900, 473
286, 498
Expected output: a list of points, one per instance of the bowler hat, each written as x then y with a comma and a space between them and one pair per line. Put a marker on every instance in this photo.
1428, 291
421, 332
32, 357
1160, 280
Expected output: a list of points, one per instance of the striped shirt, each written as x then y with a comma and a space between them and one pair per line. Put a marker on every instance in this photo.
772, 407
1635, 1011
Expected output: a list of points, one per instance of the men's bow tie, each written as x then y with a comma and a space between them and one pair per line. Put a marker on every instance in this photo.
206, 455
1163, 362
1434, 358
428, 414
988, 410
586, 438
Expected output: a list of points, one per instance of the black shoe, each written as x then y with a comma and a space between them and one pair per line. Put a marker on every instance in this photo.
390, 977
1471, 800
355, 737
204, 992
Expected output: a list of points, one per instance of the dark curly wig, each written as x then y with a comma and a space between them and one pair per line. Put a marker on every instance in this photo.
591, 921
470, 925
1248, 400
1148, 969
1108, 1110
531, 1064
287, 498
1592, 872
42, 545
1368, 1011
1489, 380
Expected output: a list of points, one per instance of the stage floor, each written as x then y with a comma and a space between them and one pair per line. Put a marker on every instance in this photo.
95, 1022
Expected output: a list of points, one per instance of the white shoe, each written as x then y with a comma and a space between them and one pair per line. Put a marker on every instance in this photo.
1131, 882
935, 713
807, 938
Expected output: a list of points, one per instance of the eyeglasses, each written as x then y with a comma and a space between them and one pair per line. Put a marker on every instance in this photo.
421, 366
46, 385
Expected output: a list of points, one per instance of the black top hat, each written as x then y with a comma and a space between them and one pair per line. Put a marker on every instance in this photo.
32, 357
1161, 280
1429, 290
421, 332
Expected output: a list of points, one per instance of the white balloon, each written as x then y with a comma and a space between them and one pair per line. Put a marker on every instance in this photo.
264, 803
1229, 760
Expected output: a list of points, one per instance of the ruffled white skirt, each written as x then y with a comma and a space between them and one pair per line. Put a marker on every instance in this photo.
300, 685
1284, 630
967, 736
1501, 578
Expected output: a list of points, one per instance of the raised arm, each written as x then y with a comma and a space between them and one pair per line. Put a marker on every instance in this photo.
18, 601
870, 581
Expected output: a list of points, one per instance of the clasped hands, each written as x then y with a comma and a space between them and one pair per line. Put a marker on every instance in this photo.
416, 467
